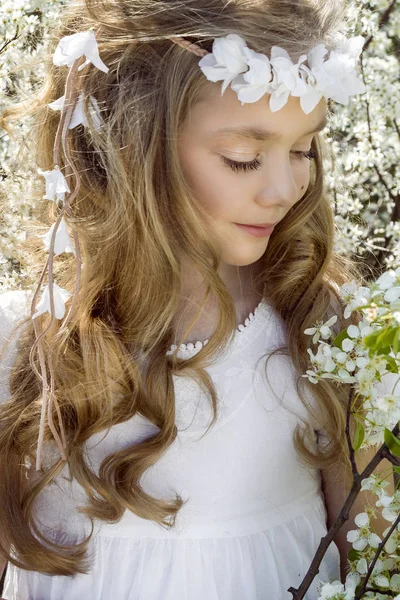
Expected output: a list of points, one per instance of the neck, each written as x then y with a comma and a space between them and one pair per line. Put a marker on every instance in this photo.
246, 294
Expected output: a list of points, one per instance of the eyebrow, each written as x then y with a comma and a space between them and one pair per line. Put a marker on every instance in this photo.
256, 133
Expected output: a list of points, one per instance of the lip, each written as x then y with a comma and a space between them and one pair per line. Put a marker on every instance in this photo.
256, 230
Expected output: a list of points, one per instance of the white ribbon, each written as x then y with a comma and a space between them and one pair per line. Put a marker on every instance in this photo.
76, 45
60, 298
62, 241
78, 116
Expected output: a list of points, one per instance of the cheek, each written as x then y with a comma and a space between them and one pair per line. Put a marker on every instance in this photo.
302, 174
216, 190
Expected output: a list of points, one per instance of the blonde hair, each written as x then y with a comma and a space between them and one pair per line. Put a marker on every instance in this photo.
135, 214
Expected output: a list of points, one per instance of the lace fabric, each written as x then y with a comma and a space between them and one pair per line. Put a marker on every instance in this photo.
235, 375
191, 349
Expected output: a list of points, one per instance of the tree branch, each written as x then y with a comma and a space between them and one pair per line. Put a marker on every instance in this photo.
383, 452
7, 42
382, 22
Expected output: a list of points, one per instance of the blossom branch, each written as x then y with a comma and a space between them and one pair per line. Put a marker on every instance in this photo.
382, 22
8, 42
373, 562
394, 198
300, 592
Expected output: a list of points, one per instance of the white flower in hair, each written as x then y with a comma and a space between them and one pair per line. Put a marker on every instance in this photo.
78, 116
76, 45
56, 184
346, 83
60, 298
226, 61
62, 242
256, 82
288, 72
336, 77
352, 46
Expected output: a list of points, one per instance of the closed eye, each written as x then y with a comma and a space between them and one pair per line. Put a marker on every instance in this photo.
256, 164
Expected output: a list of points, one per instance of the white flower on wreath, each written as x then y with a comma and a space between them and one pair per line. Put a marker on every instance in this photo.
288, 80
226, 61
252, 74
336, 77
252, 85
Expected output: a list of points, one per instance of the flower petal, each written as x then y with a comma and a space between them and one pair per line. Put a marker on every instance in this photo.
362, 519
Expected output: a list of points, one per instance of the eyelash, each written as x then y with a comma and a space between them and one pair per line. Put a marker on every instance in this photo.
256, 164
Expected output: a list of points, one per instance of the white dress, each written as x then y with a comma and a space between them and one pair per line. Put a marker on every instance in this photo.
254, 517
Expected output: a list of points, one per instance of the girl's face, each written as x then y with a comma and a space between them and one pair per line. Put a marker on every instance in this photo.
249, 176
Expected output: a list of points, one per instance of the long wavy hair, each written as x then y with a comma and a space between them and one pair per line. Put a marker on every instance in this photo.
135, 215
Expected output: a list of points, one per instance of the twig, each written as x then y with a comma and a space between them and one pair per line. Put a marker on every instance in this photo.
383, 452
376, 591
6, 43
382, 21
396, 127
395, 199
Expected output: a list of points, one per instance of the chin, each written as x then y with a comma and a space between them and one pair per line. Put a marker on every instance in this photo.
244, 259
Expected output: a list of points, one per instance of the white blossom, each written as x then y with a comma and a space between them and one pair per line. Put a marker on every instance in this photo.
360, 538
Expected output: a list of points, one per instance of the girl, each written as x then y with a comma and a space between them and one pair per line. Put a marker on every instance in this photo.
198, 462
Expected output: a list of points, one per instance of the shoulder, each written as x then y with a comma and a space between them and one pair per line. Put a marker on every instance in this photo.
14, 306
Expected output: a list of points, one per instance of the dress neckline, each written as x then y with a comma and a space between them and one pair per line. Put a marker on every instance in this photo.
242, 330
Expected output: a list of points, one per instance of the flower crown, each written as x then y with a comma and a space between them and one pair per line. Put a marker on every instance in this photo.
250, 74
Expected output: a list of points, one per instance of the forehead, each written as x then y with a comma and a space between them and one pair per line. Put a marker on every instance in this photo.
224, 117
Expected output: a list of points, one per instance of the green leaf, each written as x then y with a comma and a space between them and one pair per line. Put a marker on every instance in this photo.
339, 338
359, 436
382, 340
387, 336
382, 351
370, 339
392, 442
397, 469
396, 341
353, 554
391, 365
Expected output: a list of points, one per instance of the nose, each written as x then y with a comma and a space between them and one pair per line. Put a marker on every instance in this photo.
277, 184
